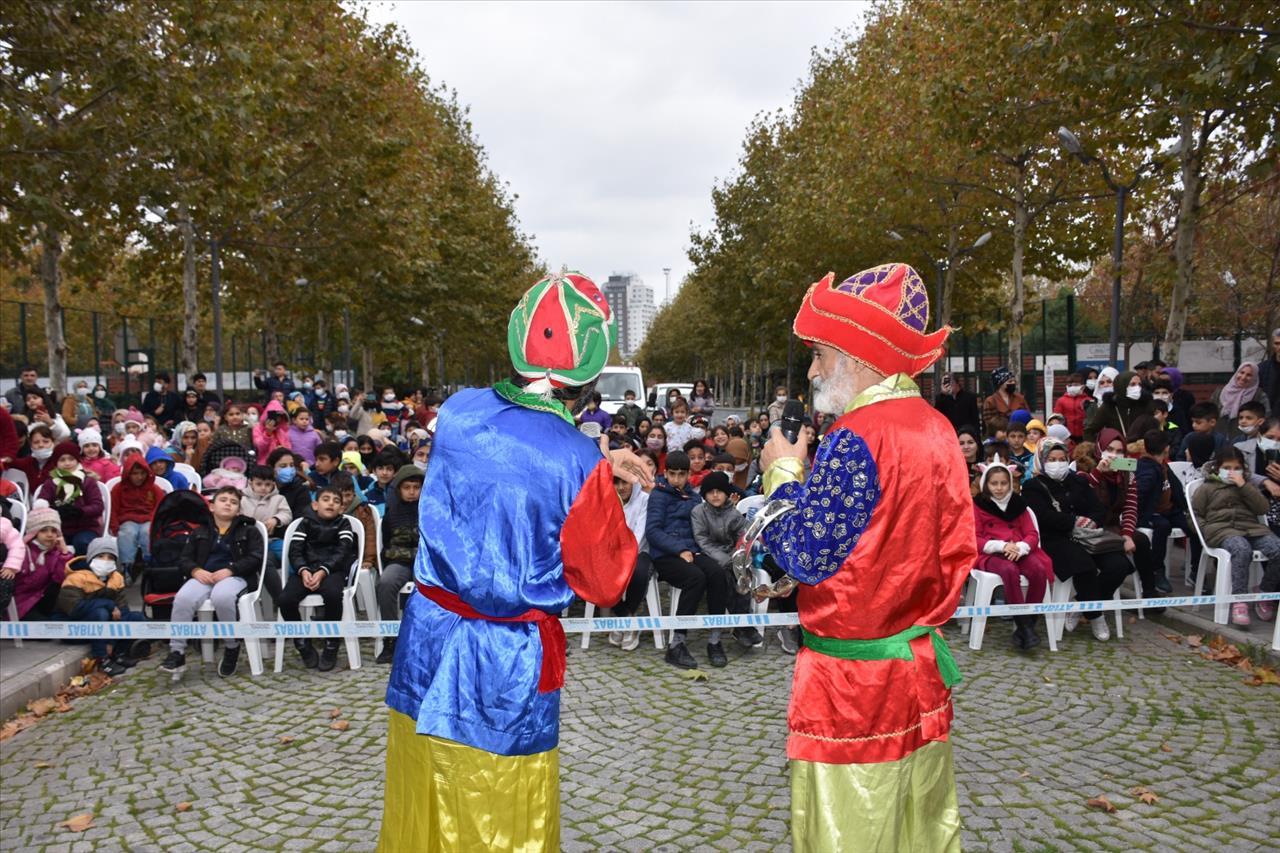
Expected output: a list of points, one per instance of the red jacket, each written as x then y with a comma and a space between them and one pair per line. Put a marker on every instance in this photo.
134, 503
1072, 408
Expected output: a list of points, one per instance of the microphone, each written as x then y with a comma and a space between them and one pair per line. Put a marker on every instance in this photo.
792, 420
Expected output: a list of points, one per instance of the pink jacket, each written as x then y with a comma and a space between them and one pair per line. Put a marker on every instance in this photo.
103, 467
264, 440
42, 570
15, 554
990, 527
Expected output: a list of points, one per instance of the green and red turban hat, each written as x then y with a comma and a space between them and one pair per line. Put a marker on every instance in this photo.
560, 333
877, 317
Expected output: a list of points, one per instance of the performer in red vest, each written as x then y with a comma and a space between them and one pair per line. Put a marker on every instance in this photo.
880, 537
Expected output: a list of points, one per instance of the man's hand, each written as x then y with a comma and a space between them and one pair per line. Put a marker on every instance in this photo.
204, 576
687, 556
626, 465
777, 447
220, 575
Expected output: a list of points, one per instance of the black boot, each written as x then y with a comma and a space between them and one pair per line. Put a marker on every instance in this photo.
307, 652
1025, 634
329, 655
388, 653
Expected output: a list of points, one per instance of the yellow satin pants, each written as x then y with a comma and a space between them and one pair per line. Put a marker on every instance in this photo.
444, 796
891, 807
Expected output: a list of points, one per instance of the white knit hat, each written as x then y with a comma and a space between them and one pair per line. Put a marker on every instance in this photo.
89, 435
1108, 372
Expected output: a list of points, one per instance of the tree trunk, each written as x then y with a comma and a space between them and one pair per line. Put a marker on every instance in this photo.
1192, 156
1017, 308
51, 278
366, 366
424, 364
190, 295
944, 309
323, 362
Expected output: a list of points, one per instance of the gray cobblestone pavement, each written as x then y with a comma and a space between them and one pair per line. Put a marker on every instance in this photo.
653, 761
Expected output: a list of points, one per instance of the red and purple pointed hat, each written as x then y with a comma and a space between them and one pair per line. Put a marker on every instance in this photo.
877, 317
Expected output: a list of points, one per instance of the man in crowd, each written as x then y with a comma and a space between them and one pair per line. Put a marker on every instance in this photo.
28, 383
162, 402
199, 384
1268, 373
880, 563
957, 403
278, 381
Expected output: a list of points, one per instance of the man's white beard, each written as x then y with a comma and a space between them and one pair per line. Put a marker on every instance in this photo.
832, 396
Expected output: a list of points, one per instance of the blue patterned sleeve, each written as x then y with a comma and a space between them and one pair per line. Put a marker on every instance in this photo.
833, 508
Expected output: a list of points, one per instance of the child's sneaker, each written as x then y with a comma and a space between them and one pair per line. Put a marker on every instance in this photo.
175, 662
329, 655
615, 638
1266, 610
788, 637
630, 641
1101, 632
230, 660
1240, 614
716, 656
307, 652
678, 655
110, 667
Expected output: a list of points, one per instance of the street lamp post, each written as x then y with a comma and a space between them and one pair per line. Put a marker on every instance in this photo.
1072, 145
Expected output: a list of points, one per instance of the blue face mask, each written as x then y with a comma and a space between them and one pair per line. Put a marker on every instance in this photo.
286, 475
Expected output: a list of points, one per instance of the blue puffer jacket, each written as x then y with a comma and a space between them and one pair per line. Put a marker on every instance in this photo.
668, 523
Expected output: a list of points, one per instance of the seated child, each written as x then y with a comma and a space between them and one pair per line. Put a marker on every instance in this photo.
162, 466
697, 453
13, 555
96, 594
1160, 502
1227, 506
77, 501
399, 547
1249, 420
289, 481
717, 526
353, 466
1204, 420
353, 504
263, 502
41, 564
328, 458
233, 427
96, 463
1009, 546
321, 555
303, 437
221, 561
1019, 456
133, 502
385, 465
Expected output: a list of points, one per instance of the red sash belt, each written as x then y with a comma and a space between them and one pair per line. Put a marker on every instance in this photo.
549, 631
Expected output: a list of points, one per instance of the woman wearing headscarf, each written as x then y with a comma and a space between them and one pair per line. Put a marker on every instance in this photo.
1241, 388
1121, 406
1117, 491
1063, 501
1182, 400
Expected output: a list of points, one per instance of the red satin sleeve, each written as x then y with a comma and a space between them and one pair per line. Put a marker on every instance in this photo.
598, 549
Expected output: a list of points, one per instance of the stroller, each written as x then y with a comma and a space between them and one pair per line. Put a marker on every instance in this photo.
177, 515
219, 451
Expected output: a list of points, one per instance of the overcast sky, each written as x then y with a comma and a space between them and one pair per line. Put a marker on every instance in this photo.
612, 121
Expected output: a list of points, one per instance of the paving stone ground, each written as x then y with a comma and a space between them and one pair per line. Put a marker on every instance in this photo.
652, 761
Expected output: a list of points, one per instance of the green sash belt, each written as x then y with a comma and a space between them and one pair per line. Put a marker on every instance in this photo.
896, 647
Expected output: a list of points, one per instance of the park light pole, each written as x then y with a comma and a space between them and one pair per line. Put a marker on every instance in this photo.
940, 267
1072, 145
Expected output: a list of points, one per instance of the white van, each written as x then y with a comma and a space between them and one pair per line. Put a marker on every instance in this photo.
615, 382
657, 398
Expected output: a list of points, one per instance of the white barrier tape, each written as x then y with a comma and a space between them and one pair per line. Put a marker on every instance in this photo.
162, 631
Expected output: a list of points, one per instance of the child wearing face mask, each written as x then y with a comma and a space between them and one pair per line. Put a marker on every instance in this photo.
43, 566
95, 593
1249, 420
1227, 506
1009, 546
656, 443
77, 407
1071, 406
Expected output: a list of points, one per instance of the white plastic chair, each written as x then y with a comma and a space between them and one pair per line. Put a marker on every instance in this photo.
745, 505
651, 600
106, 505
250, 605
19, 479
193, 477
1222, 564
308, 605
1185, 472
206, 613
165, 485
366, 583
13, 617
18, 512
982, 585
1062, 593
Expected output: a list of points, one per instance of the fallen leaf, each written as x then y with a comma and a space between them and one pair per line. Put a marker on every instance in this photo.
1046, 679
1149, 797
286, 739
692, 674
1164, 747
335, 713
1218, 642
1244, 665
1100, 802
16, 725
40, 707
78, 681
42, 765
1195, 640
340, 726
1266, 675
183, 807
88, 665
1173, 638
79, 823
1132, 620
1024, 774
